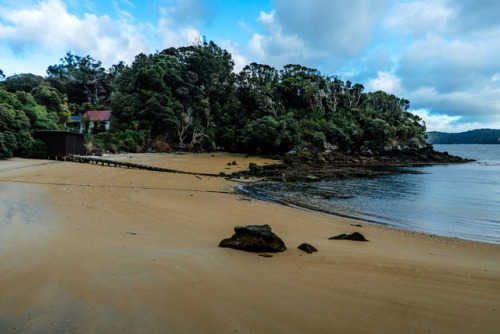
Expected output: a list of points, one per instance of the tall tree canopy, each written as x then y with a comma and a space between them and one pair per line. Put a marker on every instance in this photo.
190, 98
83, 78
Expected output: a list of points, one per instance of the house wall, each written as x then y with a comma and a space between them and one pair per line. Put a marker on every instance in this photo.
75, 144
73, 126
91, 125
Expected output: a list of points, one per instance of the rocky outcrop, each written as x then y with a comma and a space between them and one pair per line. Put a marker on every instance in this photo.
356, 236
310, 166
254, 238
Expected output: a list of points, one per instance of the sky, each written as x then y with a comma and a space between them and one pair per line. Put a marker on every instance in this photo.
441, 55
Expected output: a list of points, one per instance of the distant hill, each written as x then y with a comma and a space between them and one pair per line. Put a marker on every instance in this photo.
481, 136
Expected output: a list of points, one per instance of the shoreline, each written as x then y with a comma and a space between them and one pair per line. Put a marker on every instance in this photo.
136, 251
346, 216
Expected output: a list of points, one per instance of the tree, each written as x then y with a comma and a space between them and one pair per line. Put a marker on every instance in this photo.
208, 80
184, 125
83, 74
258, 90
303, 89
8, 143
190, 97
334, 88
22, 82
116, 69
354, 94
144, 93
51, 98
15, 137
178, 93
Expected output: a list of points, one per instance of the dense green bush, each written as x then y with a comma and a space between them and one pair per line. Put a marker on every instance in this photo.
126, 140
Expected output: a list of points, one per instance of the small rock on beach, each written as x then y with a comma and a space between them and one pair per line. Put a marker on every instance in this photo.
356, 236
307, 248
254, 238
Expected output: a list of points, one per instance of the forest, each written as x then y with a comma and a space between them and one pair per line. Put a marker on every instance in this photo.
189, 98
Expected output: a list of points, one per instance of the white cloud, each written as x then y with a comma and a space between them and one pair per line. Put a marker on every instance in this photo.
420, 18
125, 13
314, 33
446, 123
339, 28
131, 4
245, 27
267, 19
450, 65
483, 104
276, 48
174, 34
193, 13
385, 82
236, 52
49, 28
450, 112
257, 46
445, 60
437, 122
474, 16
454, 65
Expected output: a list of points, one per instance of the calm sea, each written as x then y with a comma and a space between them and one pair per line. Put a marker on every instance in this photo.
460, 201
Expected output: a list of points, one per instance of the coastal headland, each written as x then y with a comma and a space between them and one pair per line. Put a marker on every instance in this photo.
94, 249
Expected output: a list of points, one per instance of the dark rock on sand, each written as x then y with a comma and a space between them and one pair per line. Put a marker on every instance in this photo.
307, 248
356, 236
254, 238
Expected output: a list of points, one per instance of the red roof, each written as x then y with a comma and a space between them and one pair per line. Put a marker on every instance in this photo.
98, 115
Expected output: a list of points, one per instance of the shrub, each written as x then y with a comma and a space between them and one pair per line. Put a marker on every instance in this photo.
38, 150
161, 145
414, 142
112, 148
8, 144
319, 139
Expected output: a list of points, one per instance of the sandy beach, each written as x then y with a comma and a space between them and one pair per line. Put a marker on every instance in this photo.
96, 249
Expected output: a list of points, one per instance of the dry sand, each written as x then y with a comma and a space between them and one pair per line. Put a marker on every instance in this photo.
91, 249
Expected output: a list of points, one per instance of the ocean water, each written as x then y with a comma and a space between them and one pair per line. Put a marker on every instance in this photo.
459, 200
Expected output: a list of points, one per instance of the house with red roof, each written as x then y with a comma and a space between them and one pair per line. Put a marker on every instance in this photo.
95, 117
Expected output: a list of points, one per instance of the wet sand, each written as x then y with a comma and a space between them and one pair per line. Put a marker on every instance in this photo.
92, 249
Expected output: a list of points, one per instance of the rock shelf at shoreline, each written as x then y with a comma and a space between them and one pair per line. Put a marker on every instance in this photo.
316, 166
